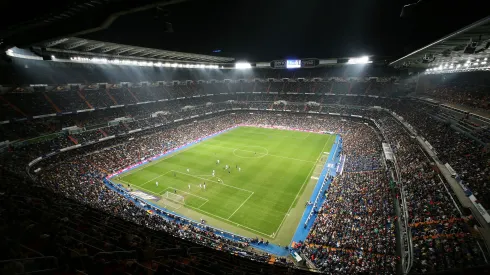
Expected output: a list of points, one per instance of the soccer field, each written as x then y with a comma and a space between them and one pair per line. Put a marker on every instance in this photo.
269, 170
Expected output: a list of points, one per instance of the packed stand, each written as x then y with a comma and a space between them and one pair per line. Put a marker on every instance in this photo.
354, 231
362, 149
465, 155
51, 234
469, 95
443, 237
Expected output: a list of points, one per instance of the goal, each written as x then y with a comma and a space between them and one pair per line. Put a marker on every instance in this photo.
174, 197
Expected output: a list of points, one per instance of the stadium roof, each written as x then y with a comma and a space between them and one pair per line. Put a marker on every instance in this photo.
454, 48
44, 20
74, 46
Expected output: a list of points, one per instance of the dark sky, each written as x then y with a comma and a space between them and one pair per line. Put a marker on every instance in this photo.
271, 29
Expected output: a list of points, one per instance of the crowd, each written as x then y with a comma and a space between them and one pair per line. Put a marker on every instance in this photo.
77, 175
465, 154
355, 231
46, 232
342, 238
442, 234
472, 96
28, 103
362, 149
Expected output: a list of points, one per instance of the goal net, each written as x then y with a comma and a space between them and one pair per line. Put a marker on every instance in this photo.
174, 197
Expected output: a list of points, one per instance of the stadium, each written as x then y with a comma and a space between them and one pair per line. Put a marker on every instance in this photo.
125, 159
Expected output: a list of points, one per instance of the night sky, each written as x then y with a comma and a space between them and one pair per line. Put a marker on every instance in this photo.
271, 29
263, 30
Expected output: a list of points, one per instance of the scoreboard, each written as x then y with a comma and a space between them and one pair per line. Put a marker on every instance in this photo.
291, 64
295, 63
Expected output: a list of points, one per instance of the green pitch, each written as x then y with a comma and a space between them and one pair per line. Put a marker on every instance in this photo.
268, 171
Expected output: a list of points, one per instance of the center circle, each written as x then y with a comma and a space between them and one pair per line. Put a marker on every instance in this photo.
251, 152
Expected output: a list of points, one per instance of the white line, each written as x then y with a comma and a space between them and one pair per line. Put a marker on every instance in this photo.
210, 214
299, 191
124, 181
171, 155
241, 205
239, 225
277, 156
276, 134
222, 183
161, 193
139, 187
161, 175
202, 204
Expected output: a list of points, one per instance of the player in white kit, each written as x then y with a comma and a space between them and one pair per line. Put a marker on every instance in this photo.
156, 183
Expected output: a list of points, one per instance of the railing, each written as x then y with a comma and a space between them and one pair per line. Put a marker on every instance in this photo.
30, 265
325, 180
405, 234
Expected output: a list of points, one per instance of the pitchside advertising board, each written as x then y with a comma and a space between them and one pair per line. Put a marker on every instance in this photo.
295, 63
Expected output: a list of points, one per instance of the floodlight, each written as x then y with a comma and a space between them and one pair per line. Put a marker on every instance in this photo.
242, 65
359, 60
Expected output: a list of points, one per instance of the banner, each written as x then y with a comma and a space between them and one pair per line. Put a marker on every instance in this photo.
278, 64
309, 63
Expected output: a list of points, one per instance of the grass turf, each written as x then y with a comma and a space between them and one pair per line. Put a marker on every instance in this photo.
275, 166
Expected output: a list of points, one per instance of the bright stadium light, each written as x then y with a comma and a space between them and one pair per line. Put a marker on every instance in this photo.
359, 60
146, 63
243, 65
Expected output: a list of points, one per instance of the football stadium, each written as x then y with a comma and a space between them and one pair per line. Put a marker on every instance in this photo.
182, 152
253, 198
